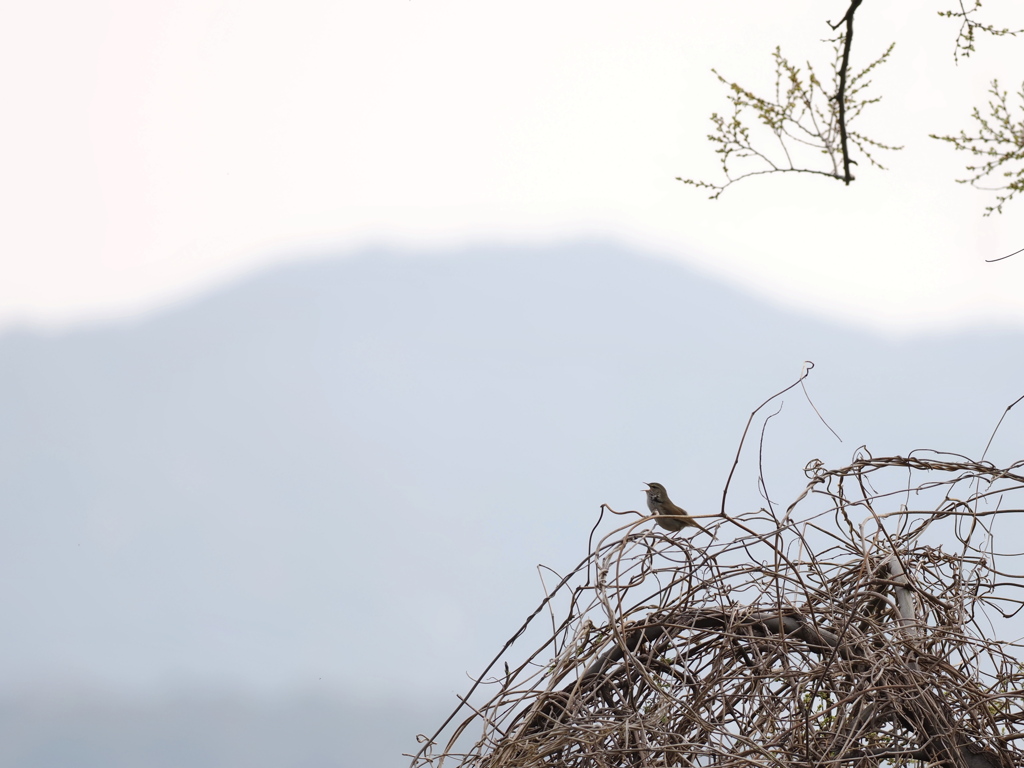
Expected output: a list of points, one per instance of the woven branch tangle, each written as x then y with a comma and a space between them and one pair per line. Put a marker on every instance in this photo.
849, 630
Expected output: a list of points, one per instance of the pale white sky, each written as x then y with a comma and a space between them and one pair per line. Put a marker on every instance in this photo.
151, 150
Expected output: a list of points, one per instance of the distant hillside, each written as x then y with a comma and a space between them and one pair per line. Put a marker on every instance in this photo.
209, 731
343, 473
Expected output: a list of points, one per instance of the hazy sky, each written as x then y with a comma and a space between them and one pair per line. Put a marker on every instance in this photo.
154, 149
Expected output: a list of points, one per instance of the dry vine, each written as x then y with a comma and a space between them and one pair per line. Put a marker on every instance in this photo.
855, 628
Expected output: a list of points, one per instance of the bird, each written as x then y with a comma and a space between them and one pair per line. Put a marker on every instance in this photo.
666, 514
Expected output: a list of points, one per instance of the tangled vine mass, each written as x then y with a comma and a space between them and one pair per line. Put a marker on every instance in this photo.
855, 628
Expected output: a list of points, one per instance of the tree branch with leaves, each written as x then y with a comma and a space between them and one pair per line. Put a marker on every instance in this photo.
999, 141
808, 120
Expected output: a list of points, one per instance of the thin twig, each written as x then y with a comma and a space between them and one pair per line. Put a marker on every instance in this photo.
993, 261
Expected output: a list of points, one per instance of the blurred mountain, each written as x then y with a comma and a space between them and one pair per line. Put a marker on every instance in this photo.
207, 731
340, 475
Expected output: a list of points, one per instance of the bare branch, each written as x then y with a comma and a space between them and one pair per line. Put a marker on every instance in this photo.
840, 96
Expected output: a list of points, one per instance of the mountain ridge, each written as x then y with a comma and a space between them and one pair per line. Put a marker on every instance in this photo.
348, 469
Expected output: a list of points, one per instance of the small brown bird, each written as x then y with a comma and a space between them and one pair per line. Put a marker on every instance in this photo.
668, 515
